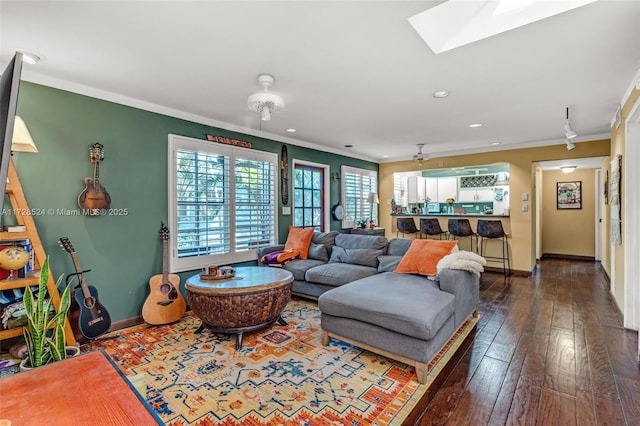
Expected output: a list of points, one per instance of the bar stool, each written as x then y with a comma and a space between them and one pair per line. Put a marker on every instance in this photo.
492, 230
406, 225
461, 228
431, 226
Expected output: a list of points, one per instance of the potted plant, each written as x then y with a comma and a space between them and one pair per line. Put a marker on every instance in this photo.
362, 223
44, 333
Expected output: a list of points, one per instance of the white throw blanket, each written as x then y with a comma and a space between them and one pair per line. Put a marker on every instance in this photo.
464, 260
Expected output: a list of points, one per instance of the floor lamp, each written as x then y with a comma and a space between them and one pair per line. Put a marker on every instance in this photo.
373, 199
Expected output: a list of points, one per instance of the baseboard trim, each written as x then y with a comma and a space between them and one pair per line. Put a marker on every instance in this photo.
514, 272
125, 323
568, 257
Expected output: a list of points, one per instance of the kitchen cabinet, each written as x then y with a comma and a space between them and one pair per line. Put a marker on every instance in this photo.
469, 194
415, 189
447, 188
431, 188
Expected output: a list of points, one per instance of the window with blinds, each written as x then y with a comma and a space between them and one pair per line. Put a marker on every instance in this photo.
357, 184
222, 203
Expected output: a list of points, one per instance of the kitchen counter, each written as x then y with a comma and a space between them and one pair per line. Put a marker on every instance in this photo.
448, 214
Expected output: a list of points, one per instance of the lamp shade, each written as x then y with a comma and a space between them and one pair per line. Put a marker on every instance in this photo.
373, 198
22, 140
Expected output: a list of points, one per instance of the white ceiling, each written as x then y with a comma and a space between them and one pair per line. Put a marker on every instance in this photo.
351, 72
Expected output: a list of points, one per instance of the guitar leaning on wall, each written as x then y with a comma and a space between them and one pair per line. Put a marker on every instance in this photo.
94, 199
165, 303
93, 319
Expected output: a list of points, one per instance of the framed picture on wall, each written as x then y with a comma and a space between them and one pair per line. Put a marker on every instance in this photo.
569, 195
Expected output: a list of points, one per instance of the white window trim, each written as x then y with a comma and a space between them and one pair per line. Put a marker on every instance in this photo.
353, 170
326, 188
193, 263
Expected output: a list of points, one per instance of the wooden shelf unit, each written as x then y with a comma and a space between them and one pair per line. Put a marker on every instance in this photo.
19, 205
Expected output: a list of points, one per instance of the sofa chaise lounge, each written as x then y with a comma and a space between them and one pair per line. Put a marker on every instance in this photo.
407, 317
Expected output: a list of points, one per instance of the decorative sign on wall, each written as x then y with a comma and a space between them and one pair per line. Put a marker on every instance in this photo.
615, 200
229, 141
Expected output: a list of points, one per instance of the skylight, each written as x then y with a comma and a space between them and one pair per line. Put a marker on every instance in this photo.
455, 23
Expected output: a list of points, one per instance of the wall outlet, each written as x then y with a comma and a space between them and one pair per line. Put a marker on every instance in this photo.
525, 207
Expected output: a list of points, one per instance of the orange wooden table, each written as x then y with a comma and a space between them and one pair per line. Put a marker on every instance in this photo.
84, 390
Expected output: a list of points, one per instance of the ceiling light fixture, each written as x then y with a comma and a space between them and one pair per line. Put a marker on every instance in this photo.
420, 156
291, 130
569, 132
475, 125
440, 94
495, 143
265, 102
570, 145
568, 169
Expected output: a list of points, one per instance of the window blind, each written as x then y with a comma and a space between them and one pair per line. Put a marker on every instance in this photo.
357, 184
222, 203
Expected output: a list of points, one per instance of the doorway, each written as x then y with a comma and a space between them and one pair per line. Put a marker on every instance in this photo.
561, 231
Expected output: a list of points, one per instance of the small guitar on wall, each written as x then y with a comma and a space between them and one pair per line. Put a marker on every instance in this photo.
165, 303
94, 199
93, 319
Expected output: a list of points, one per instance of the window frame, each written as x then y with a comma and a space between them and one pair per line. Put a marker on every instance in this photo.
326, 190
364, 205
177, 264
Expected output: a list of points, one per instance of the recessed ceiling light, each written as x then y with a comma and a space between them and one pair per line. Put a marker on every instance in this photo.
440, 94
348, 146
385, 156
495, 143
475, 125
291, 130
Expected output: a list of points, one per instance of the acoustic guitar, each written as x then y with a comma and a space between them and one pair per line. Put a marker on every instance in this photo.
94, 199
165, 303
93, 319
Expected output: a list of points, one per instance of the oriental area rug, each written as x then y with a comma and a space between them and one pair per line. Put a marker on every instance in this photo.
281, 376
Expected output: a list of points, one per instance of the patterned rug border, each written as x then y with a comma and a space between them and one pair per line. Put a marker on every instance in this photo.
415, 390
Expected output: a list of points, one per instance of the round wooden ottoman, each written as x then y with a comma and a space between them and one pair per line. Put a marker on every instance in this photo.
254, 298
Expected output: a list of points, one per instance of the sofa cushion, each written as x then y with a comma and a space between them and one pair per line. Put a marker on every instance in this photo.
318, 252
337, 274
398, 246
326, 238
407, 304
364, 257
355, 241
299, 239
299, 267
388, 263
423, 256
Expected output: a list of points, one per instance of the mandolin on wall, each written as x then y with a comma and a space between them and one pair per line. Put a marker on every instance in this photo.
94, 200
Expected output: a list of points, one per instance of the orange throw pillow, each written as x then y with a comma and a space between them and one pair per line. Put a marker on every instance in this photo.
299, 239
423, 257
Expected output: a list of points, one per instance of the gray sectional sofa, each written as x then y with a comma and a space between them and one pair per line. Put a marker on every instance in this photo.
363, 302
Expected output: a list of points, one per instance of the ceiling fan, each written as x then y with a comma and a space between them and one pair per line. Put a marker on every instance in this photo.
420, 156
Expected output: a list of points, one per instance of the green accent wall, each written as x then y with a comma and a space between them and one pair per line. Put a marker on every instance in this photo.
122, 251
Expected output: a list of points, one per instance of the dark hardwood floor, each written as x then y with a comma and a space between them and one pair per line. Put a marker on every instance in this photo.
549, 350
